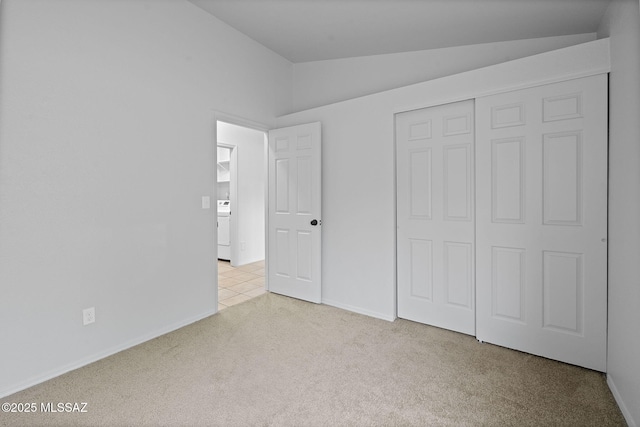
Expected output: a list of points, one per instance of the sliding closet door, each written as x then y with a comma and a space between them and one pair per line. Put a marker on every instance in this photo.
542, 220
435, 216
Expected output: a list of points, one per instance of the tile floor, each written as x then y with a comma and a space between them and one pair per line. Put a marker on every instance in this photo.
238, 284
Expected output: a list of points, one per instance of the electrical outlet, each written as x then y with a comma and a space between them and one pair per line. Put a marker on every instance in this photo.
88, 315
243, 246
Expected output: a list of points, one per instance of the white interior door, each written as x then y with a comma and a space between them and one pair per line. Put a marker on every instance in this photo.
435, 216
542, 220
294, 212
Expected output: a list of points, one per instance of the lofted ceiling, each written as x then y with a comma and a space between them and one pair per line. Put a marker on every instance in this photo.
312, 30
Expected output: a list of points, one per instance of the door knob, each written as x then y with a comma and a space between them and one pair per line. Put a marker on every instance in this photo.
314, 222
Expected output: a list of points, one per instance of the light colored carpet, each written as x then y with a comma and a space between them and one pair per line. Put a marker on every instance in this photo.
276, 361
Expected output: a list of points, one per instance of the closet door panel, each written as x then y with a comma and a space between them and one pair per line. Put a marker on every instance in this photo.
435, 208
541, 212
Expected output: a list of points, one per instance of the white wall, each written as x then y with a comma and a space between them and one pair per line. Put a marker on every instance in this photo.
358, 166
324, 82
106, 147
622, 24
248, 208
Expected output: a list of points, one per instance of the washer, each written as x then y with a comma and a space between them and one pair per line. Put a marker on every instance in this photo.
224, 236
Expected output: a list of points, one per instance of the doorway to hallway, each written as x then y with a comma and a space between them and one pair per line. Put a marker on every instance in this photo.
241, 194
281, 172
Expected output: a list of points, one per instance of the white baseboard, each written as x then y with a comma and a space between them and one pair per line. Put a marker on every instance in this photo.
101, 355
358, 310
616, 395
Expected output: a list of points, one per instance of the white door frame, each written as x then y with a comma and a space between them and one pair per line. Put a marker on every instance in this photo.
239, 121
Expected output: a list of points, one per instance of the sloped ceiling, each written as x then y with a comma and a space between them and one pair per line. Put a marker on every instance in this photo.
312, 30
